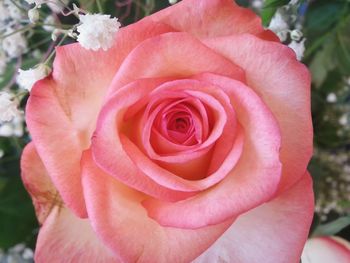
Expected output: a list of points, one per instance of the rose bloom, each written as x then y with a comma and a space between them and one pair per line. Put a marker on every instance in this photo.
326, 250
187, 141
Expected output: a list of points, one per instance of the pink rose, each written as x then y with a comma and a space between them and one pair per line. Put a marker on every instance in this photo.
188, 140
326, 250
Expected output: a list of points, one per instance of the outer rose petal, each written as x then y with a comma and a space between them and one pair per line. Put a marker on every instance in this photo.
284, 84
211, 18
38, 183
176, 55
272, 233
66, 238
63, 236
73, 94
122, 223
326, 250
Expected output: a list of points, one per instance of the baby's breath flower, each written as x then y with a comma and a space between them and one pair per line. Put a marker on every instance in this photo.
343, 120
331, 97
13, 10
298, 47
15, 44
27, 78
278, 23
33, 15
49, 21
97, 31
4, 12
14, 127
8, 107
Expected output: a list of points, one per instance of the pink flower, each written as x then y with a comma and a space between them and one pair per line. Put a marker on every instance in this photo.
326, 250
188, 140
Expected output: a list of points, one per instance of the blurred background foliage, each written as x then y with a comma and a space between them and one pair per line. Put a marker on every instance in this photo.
326, 30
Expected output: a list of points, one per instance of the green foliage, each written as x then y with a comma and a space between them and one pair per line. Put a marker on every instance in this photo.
269, 9
17, 218
333, 227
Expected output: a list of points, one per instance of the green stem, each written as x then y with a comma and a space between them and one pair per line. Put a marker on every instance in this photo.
99, 6
23, 29
54, 51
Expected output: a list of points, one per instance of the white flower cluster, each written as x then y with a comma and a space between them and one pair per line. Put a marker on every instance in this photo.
12, 43
8, 107
97, 31
27, 78
17, 254
280, 25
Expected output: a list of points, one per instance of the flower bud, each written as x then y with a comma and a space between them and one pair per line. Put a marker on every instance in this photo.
33, 15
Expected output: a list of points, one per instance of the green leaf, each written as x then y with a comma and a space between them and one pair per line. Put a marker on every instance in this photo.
333, 227
323, 62
17, 218
343, 50
321, 16
270, 8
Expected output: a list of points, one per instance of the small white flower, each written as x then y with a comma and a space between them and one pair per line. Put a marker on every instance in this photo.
278, 23
15, 44
27, 78
14, 12
298, 47
8, 107
293, 2
331, 98
4, 12
172, 2
33, 15
49, 23
258, 4
14, 127
36, 2
343, 120
97, 31
296, 35
28, 254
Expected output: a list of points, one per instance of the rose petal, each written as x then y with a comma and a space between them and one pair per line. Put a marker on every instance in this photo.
38, 183
253, 181
67, 238
210, 18
273, 232
164, 56
284, 84
326, 250
73, 94
63, 236
122, 223
107, 146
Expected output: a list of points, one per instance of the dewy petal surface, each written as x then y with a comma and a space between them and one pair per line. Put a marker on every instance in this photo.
283, 83
122, 223
63, 237
274, 232
73, 94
